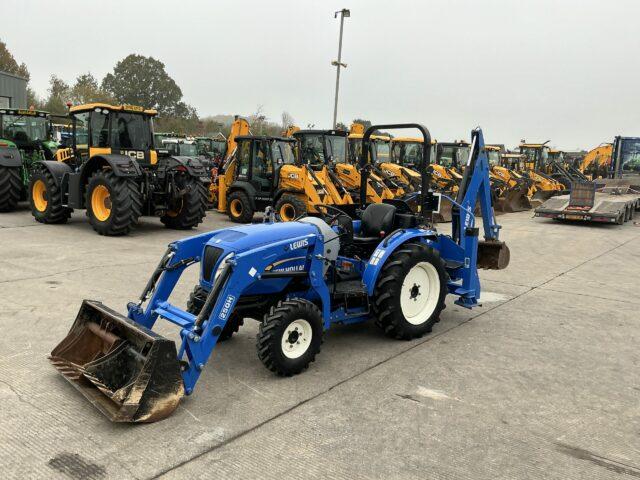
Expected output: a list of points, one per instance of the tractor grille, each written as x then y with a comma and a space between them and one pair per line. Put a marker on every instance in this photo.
209, 260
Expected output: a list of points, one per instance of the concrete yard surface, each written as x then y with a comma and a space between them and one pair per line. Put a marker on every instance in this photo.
542, 381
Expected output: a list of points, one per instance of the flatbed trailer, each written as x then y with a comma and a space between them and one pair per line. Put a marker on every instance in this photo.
612, 204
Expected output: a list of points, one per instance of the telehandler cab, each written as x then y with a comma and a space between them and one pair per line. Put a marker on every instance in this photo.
390, 266
114, 172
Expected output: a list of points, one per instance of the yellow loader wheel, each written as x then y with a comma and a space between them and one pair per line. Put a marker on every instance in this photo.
45, 199
239, 207
113, 203
289, 207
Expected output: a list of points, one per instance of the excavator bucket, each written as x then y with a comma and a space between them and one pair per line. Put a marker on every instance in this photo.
124, 369
493, 255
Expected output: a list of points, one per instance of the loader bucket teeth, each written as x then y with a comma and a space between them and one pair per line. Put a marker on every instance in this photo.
125, 370
493, 255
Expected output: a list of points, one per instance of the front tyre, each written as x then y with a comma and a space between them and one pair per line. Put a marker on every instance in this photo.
45, 199
10, 188
188, 211
114, 204
290, 336
410, 292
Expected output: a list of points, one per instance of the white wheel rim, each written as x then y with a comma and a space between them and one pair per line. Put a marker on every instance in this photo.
296, 338
420, 293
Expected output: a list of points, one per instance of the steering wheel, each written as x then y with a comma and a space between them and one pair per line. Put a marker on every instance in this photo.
329, 219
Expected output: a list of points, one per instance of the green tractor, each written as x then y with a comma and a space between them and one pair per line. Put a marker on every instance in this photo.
25, 138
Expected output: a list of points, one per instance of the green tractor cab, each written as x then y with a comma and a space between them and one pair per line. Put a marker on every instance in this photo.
25, 138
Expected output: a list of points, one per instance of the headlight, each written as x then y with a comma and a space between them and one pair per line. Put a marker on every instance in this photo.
221, 266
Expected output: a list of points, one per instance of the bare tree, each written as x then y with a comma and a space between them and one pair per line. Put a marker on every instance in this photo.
287, 120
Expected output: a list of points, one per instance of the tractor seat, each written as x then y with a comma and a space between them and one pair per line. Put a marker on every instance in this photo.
376, 219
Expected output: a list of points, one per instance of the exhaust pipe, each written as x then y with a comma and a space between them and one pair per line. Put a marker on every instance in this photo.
128, 372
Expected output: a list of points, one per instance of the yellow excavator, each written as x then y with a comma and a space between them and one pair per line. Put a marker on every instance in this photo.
597, 161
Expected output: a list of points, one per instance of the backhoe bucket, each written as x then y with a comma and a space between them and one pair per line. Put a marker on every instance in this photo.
124, 369
493, 255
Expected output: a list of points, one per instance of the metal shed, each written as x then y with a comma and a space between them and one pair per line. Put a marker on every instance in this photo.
13, 91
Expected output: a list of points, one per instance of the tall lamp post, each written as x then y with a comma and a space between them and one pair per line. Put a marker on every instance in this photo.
338, 63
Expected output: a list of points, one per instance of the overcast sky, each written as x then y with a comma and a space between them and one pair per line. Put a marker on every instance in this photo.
565, 70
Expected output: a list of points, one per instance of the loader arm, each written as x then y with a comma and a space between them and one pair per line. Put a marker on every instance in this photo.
200, 333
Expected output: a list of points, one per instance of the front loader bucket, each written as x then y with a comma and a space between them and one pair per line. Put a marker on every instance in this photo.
124, 369
515, 200
493, 255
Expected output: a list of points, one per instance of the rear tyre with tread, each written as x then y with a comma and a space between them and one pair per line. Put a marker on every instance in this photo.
195, 303
239, 207
289, 207
410, 291
11, 189
118, 211
290, 336
45, 199
191, 207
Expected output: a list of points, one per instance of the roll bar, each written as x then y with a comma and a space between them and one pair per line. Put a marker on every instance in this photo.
426, 161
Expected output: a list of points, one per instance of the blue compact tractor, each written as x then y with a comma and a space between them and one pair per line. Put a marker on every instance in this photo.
389, 265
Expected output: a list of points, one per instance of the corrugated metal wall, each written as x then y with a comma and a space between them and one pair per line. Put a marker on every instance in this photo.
13, 91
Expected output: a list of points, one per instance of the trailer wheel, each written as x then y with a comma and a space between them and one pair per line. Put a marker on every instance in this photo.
239, 209
45, 199
195, 303
10, 188
289, 207
290, 336
113, 203
189, 210
410, 292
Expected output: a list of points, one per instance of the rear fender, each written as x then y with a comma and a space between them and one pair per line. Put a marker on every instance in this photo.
192, 165
389, 245
247, 188
10, 157
120, 165
56, 169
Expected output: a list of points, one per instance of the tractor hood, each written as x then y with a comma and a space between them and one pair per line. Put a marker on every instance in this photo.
239, 239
